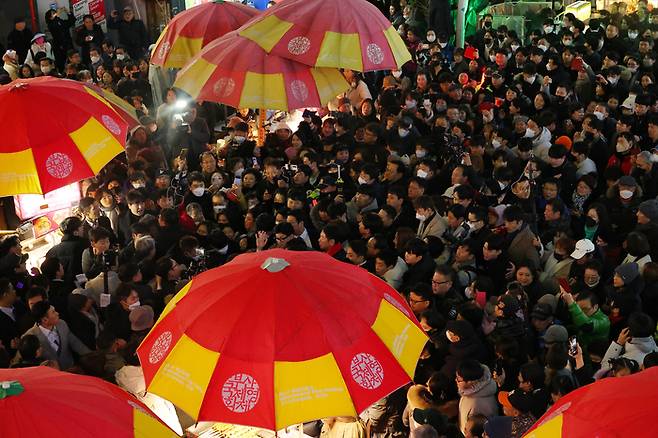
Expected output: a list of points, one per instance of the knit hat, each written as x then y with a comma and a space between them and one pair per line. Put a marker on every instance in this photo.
564, 141
498, 427
650, 209
141, 318
628, 272
556, 333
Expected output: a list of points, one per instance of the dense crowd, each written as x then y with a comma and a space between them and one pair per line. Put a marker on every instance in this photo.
507, 190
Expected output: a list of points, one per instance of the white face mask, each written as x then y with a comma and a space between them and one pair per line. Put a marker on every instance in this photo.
218, 208
199, 191
632, 35
622, 147
362, 180
420, 217
443, 45
549, 67
420, 153
396, 74
138, 185
134, 305
567, 43
548, 29
431, 38
593, 283
514, 47
410, 104
403, 132
472, 225
427, 105
121, 56
45, 70
529, 133
530, 80
239, 139
95, 59
599, 115
625, 194
543, 47
495, 143
422, 174
613, 80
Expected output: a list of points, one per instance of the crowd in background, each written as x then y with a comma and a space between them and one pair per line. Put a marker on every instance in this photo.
506, 189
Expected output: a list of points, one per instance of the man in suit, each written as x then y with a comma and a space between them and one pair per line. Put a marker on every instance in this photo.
57, 341
9, 316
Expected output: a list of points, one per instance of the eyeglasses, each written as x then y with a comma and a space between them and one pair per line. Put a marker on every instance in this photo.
438, 283
281, 238
412, 301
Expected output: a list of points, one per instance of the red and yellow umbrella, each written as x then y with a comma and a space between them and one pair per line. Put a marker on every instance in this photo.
121, 106
612, 407
55, 132
43, 402
237, 72
191, 30
277, 338
350, 34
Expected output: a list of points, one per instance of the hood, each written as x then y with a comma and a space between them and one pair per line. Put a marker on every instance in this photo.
484, 387
418, 397
641, 345
543, 137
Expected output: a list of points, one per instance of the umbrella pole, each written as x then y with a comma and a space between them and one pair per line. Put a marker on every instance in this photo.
262, 114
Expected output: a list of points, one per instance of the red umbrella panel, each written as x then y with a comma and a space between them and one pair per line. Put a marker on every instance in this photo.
191, 30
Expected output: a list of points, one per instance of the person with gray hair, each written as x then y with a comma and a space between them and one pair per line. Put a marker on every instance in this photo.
646, 173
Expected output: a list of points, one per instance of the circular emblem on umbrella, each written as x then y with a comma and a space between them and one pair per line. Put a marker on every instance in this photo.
160, 347
375, 53
59, 165
240, 393
367, 371
299, 90
224, 87
396, 303
299, 45
111, 124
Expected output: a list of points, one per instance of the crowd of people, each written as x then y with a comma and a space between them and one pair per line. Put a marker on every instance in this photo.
506, 189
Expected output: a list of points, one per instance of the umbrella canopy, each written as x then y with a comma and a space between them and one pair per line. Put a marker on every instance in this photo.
350, 34
191, 30
237, 72
279, 337
612, 407
121, 106
41, 401
55, 132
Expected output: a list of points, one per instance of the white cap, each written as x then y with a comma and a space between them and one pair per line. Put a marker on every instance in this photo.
450, 191
583, 246
282, 125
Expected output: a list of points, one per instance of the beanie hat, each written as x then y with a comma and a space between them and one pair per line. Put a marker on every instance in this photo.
556, 333
628, 272
650, 209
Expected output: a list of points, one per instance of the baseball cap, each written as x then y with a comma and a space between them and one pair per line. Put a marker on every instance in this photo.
541, 311
583, 247
516, 399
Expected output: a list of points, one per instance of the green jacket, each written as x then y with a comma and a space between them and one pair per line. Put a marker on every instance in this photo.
599, 321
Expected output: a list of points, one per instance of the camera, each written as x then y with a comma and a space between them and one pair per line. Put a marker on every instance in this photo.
288, 171
109, 258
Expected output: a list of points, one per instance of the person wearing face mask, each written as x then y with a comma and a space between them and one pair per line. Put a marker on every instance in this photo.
197, 193
625, 151
404, 138
88, 36
622, 201
39, 45
118, 312
614, 84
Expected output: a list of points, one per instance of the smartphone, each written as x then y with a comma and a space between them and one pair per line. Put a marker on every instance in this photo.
183, 154
237, 181
573, 346
565, 284
254, 161
577, 64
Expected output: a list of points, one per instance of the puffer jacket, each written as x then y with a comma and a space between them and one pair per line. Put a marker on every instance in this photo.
634, 349
478, 399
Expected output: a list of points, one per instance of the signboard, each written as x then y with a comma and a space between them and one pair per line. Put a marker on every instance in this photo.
31, 206
50, 222
96, 8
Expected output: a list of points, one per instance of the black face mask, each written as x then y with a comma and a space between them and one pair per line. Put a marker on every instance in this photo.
559, 257
488, 24
487, 41
590, 222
